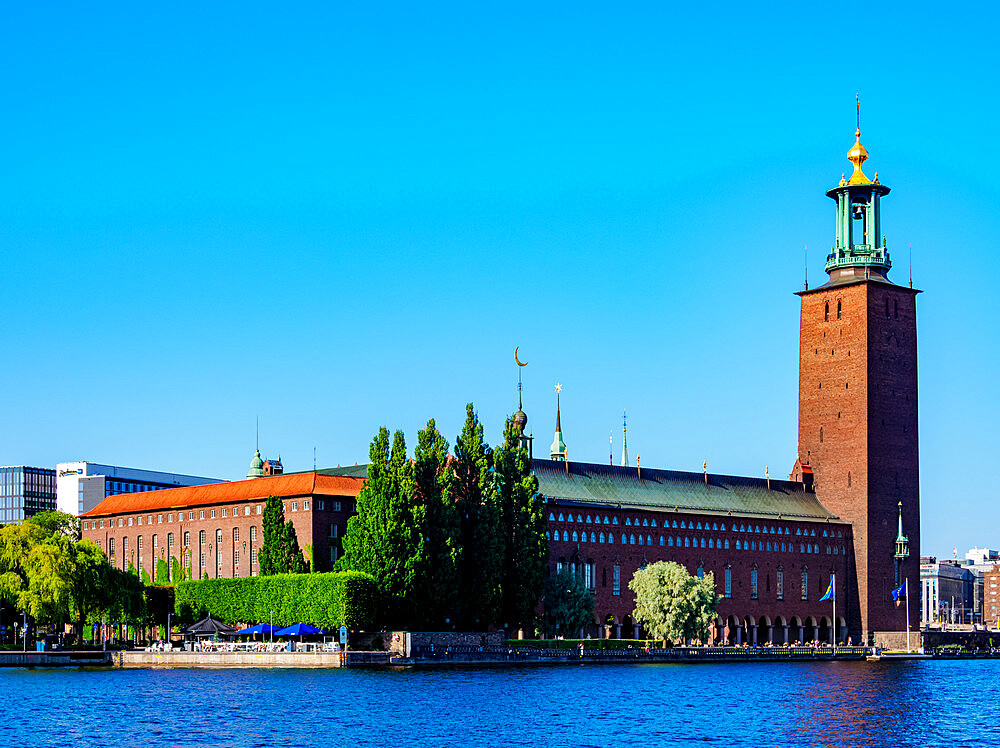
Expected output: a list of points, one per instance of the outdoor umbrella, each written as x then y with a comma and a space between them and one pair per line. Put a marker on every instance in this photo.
260, 628
299, 629
209, 626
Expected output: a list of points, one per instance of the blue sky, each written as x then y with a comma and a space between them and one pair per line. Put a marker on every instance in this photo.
335, 217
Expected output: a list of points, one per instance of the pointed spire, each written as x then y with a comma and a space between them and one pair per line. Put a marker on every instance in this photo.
558, 449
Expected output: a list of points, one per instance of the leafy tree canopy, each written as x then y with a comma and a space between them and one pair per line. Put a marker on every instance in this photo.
671, 603
568, 604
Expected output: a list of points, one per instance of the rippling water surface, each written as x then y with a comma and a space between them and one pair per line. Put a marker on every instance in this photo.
835, 704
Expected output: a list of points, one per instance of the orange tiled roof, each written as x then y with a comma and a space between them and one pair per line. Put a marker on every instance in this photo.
255, 489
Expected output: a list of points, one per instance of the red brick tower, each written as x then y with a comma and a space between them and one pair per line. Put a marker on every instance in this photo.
858, 409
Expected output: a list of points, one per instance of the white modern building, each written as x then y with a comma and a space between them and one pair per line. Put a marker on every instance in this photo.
80, 486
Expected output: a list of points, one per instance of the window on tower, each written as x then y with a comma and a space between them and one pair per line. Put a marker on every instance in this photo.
838, 308
826, 311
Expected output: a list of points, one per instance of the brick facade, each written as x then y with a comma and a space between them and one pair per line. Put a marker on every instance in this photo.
768, 546
216, 529
858, 432
991, 596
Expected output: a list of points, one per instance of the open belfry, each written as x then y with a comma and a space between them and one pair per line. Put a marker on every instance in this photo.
858, 408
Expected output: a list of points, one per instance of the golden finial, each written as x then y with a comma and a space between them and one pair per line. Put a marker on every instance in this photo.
857, 156
875, 181
843, 180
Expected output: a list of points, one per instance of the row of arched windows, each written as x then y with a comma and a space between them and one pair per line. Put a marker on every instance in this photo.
826, 310
692, 525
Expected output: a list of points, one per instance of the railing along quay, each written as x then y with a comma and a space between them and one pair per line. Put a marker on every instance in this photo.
515, 653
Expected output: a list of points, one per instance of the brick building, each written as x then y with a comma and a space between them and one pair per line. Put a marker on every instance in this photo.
991, 597
215, 529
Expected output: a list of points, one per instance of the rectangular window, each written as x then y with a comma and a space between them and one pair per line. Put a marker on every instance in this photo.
159, 519
333, 553
258, 509
246, 511
295, 506
753, 584
202, 560
305, 505
187, 538
588, 575
111, 546
781, 584
253, 557
236, 535
336, 506
223, 511
129, 521
218, 538
319, 504
616, 580
170, 517
201, 537
253, 534
236, 559
213, 514
728, 582
334, 531
138, 541
805, 585
201, 514
139, 521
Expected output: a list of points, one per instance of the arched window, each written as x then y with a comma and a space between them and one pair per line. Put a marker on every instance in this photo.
838, 308
670, 541
579, 518
631, 539
737, 545
652, 523
727, 544
611, 538
723, 527
661, 541
575, 536
562, 518
552, 517
715, 526
588, 519
624, 539
614, 520
645, 523
593, 537
710, 543
683, 527
606, 520
628, 521
565, 535
548, 535
640, 540
675, 524
826, 312
602, 537
703, 542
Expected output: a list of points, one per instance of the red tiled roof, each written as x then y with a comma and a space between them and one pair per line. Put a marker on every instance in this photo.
254, 489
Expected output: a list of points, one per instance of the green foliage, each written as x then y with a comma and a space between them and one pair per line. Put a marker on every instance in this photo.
568, 604
327, 600
162, 575
433, 571
380, 539
48, 573
473, 492
176, 571
279, 552
521, 524
672, 604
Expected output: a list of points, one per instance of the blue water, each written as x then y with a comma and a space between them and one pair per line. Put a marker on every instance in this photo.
798, 704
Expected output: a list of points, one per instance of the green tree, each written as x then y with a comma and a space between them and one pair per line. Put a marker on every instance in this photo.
672, 604
521, 523
474, 494
379, 539
434, 563
568, 604
279, 552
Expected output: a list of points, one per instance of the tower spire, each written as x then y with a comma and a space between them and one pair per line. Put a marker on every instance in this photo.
520, 417
624, 439
558, 449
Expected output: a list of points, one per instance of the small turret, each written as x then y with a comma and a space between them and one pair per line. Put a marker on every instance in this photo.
256, 466
558, 448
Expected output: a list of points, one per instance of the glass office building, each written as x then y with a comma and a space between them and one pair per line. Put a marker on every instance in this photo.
25, 491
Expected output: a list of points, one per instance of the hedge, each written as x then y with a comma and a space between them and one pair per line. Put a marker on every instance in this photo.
326, 600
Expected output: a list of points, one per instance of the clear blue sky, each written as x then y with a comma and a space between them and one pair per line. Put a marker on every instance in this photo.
339, 216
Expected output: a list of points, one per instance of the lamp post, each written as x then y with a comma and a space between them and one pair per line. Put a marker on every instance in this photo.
24, 630
271, 631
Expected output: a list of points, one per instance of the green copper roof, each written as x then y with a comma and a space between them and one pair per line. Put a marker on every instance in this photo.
256, 467
611, 485
349, 471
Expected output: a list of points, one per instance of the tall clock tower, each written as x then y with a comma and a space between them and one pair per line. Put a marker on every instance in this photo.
858, 409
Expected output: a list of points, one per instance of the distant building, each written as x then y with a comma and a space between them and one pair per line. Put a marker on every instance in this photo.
83, 485
947, 592
215, 529
260, 468
982, 556
991, 596
26, 491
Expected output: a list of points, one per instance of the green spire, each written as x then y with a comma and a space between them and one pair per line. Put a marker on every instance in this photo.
558, 448
256, 467
902, 542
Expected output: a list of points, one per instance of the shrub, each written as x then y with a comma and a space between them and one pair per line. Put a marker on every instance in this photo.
325, 600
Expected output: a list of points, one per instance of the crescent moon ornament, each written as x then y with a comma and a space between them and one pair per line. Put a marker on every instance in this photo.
516, 359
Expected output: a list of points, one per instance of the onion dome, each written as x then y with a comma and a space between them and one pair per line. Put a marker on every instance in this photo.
256, 467
520, 419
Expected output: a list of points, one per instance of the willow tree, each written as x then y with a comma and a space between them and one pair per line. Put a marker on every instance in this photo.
672, 604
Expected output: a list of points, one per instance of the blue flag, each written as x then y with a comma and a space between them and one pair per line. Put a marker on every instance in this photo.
899, 592
829, 594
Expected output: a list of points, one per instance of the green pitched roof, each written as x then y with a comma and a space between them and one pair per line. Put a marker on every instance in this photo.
610, 485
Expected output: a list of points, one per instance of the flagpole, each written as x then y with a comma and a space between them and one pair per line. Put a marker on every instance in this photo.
833, 582
906, 582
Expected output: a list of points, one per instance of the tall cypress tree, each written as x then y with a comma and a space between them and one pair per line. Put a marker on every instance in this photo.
380, 538
521, 522
436, 534
272, 556
481, 545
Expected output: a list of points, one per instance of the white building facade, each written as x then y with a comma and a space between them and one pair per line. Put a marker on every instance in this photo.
80, 486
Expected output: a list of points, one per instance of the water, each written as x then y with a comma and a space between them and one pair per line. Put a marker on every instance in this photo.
758, 704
